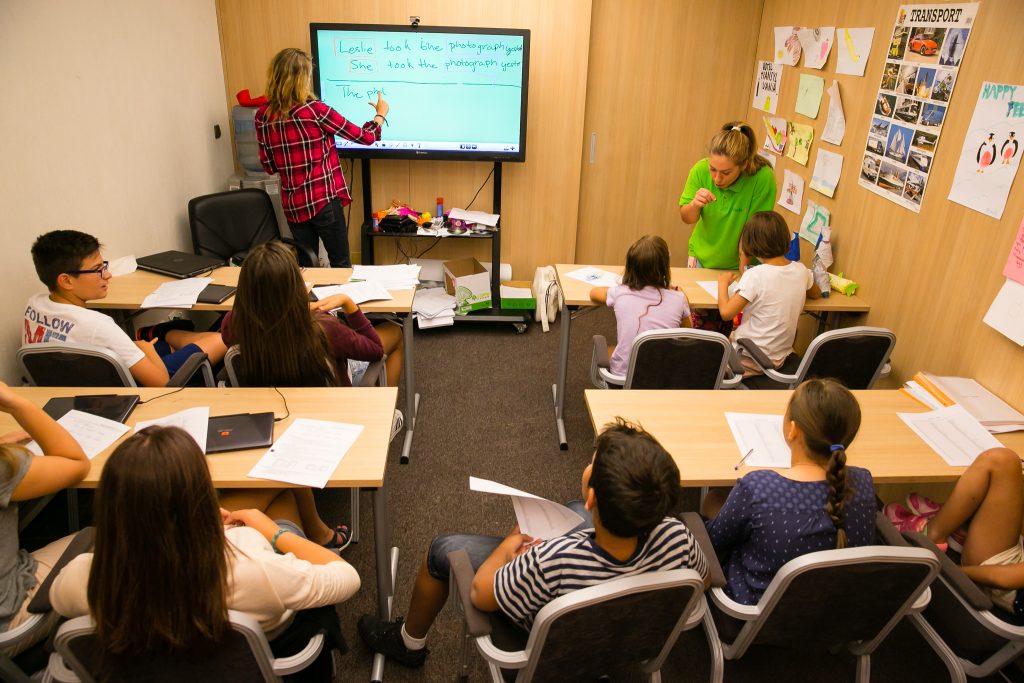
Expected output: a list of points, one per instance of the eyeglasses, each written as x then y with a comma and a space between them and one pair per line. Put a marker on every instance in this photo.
105, 268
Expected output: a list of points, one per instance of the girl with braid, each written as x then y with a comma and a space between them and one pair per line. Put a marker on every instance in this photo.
771, 517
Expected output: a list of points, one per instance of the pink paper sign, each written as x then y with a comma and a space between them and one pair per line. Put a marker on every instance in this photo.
1015, 262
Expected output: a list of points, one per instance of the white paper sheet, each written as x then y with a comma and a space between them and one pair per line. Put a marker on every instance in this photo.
595, 277
359, 292
537, 517
177, 294
922, 395
307, 453
787, 45
709, 286
124, 265
977, 400
1006, 314
767, 83
490, 219
835, 124
815, 220
775, 134
93, 433
763, 433
808, 95
816, 44
853, 46
792, 196
952, 433
828, 166
195, 421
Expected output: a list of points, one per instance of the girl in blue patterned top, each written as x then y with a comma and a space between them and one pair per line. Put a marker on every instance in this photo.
819, 503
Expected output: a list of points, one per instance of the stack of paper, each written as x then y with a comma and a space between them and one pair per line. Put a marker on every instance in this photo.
480, 217
177, 294
400, 276
952, 433
434, 308
595, 277
359, 292
987, 408
538, 517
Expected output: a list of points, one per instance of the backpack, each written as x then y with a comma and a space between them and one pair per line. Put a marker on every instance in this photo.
548, 294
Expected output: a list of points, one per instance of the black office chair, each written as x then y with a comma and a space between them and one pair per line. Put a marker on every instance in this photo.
674, 358
62, 364
229, 224
855, 356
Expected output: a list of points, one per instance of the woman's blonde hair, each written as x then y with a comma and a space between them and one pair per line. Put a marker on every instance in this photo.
737, 142
9, 457
288, 80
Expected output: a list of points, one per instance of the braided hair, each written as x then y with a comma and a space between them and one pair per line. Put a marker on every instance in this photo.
828, 416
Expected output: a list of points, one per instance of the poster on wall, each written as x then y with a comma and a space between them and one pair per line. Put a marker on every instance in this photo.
926, 49
992, 150
766, 86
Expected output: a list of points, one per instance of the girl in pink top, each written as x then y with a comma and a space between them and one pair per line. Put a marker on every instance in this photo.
645, 300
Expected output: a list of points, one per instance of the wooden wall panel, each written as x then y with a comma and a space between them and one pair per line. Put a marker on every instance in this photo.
929, 276
540, 197
661, 82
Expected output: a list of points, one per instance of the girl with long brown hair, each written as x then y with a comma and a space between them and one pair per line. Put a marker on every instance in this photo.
819, 503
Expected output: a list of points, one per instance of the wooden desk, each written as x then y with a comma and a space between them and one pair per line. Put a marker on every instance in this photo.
691, 425
576, 295
127, 293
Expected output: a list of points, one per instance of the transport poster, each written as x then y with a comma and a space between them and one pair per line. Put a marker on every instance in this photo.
925, 52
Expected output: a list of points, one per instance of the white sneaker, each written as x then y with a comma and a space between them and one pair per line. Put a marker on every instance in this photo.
396, 424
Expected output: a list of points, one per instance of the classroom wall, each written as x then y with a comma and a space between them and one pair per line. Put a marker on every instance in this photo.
114, 132
539, 202
931, 276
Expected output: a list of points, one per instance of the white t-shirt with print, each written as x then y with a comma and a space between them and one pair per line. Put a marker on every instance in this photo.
776, 296
50, 321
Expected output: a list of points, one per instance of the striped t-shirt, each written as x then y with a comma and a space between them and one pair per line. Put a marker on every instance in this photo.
567, 563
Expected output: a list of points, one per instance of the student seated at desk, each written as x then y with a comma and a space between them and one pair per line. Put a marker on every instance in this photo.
645, 300
630, 487
286, 341
71, 266
819, 503
23, 477
770, 296
169, 562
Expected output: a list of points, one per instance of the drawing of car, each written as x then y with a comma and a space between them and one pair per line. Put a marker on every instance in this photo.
923, 46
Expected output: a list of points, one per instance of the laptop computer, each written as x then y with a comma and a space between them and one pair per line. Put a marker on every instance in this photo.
239, 432
179, 264
111, 406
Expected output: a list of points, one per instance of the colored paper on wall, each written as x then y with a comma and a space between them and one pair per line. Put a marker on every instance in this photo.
1015, 261
816, 44
1006, 314
814, 221
835, 124
853, 45
787, 45
775, 134
992, 150
767, 156
801, 136
792, 196
828, 166
767, 83
808, 97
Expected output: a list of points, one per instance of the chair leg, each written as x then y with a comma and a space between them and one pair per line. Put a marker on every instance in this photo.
464, 653
864, 669
354, 525
715, 646
952, 662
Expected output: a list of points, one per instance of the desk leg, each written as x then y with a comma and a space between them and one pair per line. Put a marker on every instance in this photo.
412, 399
387, 569
558, 388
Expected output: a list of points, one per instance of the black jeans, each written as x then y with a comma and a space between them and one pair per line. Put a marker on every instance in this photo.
328, 226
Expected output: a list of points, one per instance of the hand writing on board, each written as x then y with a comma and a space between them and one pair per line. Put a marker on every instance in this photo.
380, 105
703, 198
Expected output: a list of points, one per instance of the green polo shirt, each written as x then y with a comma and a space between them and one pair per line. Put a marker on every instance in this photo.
716, 237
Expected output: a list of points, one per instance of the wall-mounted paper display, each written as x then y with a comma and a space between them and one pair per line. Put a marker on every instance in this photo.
1015, 261
792, 195
815, 219
767, 83
816, 44
775, 134
787, 45
808, 97
852, 50
828, 166
835, 124
1006, 314
801, 136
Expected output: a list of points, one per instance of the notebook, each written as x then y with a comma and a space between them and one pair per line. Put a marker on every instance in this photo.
111, 406
239, 432
215, 294
179, 264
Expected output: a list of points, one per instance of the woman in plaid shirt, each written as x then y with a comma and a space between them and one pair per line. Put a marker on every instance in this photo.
295, 132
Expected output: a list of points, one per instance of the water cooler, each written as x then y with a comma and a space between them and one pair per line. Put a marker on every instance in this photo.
248, 158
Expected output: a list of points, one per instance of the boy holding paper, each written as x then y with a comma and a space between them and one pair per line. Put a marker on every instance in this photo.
71, 266
629, 489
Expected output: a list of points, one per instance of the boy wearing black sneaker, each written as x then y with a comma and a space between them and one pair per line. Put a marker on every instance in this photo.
629, 489
71, 266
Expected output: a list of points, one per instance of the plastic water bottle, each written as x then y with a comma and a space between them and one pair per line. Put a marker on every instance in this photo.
821, 276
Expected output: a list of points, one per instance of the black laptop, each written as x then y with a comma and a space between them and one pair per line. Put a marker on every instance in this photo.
111, 406
239, 432
179, 264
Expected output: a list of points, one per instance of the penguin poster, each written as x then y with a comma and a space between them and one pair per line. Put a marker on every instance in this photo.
992, 150
926, 50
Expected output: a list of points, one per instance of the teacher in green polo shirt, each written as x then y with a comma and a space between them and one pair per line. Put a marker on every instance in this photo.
722, 191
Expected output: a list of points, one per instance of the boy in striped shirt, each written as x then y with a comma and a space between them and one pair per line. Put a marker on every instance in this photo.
629, 490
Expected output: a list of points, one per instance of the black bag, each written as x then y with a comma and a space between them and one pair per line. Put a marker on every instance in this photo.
398, 224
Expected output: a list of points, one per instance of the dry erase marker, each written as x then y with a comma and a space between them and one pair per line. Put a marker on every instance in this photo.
743, 458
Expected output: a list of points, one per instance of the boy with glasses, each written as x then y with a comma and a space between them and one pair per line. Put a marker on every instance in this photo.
70, 264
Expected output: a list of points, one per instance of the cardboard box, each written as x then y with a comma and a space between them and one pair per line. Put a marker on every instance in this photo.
470, 284
517, 294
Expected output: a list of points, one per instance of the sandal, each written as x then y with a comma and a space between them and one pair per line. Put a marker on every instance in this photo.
342, 537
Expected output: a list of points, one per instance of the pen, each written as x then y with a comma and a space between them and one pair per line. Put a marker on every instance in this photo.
743, 458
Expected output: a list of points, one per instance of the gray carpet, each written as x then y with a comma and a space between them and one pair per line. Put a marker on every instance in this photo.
486, 410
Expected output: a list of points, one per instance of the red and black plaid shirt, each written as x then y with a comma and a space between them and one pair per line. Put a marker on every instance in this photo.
300, 147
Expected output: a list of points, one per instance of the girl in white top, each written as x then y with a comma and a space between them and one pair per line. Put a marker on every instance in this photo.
645, 300
772, 295
169, 563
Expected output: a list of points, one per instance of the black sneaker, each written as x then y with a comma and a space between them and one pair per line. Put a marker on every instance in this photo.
385, 637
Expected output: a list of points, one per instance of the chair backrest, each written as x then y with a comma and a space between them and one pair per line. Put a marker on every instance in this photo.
841, 596
232, 366
854, 355
244, 655
612, 629
678, 358
228, 224
62, 364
